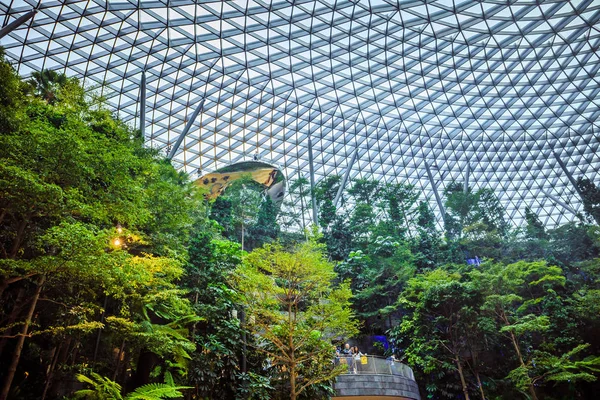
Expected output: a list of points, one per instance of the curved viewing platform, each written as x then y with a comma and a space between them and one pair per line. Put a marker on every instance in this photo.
375, 378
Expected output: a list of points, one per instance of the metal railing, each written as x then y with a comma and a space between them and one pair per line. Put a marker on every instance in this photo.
374, 365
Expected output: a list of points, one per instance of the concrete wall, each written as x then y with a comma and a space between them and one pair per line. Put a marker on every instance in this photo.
375, 387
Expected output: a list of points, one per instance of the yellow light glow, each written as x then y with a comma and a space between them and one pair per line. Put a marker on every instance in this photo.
117, 242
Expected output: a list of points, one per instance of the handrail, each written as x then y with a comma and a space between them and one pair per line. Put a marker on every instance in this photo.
374, 365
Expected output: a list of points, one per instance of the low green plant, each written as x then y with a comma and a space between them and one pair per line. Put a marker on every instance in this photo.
102, 388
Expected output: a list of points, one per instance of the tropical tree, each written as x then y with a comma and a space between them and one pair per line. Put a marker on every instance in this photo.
215, 365
440, 325
296, 312
377, 277
265, 229
47, 83
427, 243
591, 198
93, 236
12, 98
398, 211
237, 209
296, 203
475, 221
513, 296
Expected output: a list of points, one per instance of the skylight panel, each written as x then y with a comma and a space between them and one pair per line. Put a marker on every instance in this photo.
482, 75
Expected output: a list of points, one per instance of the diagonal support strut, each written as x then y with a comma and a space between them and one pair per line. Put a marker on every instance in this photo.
143, 106
559, 202
16, 23
567, 173
435, 191
467, 176
312, 182
346, 176
185, 131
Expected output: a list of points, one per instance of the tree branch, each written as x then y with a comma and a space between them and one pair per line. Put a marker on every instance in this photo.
55, 302
16, 335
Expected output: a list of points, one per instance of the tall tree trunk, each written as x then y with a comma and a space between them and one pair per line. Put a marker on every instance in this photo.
19, 238
479, 385
121, 350
65, 350
518, 351
50, 373
474, 368
292, 355
100, 329
462, 377
532, 392
75, 352
2, 215
195, 323
292, 381
19, 347
302, 206
146, 362
515, 343
14, 313
123, 377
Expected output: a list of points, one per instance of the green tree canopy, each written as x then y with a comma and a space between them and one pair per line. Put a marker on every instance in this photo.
296, 312
94, 232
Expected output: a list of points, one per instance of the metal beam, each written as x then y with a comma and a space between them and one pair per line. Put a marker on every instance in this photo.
467, 176
143, 106
435, 191
16, 23
312, 182
568, 174
560, 202
301, 202
346, 176
186, 130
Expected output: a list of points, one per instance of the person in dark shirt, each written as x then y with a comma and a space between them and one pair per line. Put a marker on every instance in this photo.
347, 350
347, 355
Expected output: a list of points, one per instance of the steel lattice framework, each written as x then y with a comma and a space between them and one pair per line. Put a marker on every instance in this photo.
504, 94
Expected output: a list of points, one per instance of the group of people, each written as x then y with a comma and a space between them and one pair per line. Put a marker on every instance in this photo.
350, 356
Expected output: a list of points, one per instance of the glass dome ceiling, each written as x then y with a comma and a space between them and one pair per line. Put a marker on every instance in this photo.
502, 93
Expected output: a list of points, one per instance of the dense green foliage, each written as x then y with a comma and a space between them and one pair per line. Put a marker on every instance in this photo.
511, 327
297, 312
115, 273
94, 238
119, 281
245, 215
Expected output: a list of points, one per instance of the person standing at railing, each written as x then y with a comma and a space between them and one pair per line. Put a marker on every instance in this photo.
356, 358
347, 356
347, 350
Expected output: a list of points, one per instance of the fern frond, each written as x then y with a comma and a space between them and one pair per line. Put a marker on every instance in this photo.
156, 391
101, 388
83, 394
169, 379
84, 379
